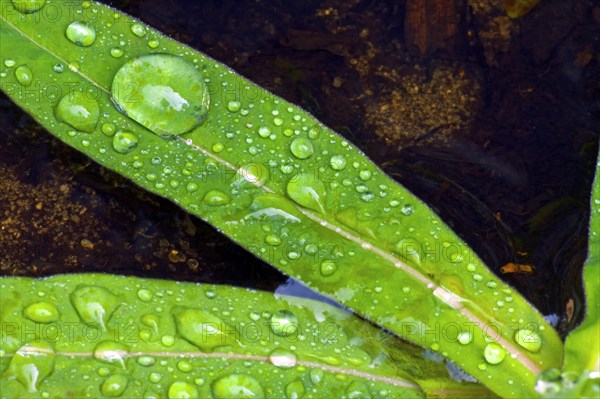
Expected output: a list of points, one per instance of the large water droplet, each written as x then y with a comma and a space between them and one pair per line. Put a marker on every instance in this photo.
24, 75
81, 33
114, 385
358, 390
294, 390
302, 148
28, 6
124, 142
328, 268
216, 198
201, 328
31, 364
465, 337
182, 390
284, 323
111, 352
138, 29
282, 358
307, 191
162, 92
41, 312
78, 110
494, 353
237, 386
409, 250
94, 305
529, 340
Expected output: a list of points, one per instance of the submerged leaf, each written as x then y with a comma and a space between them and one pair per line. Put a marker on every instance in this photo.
276, 181
229, 345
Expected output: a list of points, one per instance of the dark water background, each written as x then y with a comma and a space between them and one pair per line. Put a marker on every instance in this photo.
511, 174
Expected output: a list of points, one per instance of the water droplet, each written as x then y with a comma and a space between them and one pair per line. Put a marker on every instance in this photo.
255, 174
182, 390
328, 268
124, 142
114, 385
494, 353
409, 250
302, 148
216, 198
365, 175
313, 133
234, 106
218, 147
191, 187
264, 132
294, 390
94, 305
108, 129
201, 328
31, 364
144, 295
28, 6
316, 376
184, 366
284, 323
138, 29
170, 95
358, 390
549, 383
282, 358
146, 361
237, 386
24, 75
116, 52
9, 63
529, 340
465, 337
477, 277
272, 239
407, 209
153, 43
79, 111
111, 352
306, 190
167, 340
155, 377
41, 312
81, 33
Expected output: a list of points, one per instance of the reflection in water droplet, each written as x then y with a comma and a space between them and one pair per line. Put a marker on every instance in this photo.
124, 142
94, 305
28, 6
42, 312
302, 148
465, 337
111, 352
78, 110
162, 92
58, 68
81, 33
138, 29
237, 386
24, 75
216, 198
529, 340
494, 353
114, 385
284, 323
282, 358
407, 209
182, 390
316, 376
306, 190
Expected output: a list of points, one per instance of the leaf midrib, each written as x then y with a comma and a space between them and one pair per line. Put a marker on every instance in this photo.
437, 290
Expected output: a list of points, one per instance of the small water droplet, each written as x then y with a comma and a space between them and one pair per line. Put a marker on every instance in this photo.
294, 390
41, 312
316, 376
94, 305
306, 190
138, 29
108, 129
144, 295
81, 33
302, 148
529, 340
170, 96
114, 385
272, 239
146, 361
337, 162
358, 390
216, 198
282, 358
116, 52
494, 353
465, 337
182, 390
191, 187
218, 147
234, 106
28, 6
264, 132
124, 142
284, 323
9, 63
407, 209
365, 175
328, 268
237, 386
24, 75
153, 43
79, 111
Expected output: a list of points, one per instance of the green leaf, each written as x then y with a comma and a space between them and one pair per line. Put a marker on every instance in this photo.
581, 371
155, 338
274, 180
